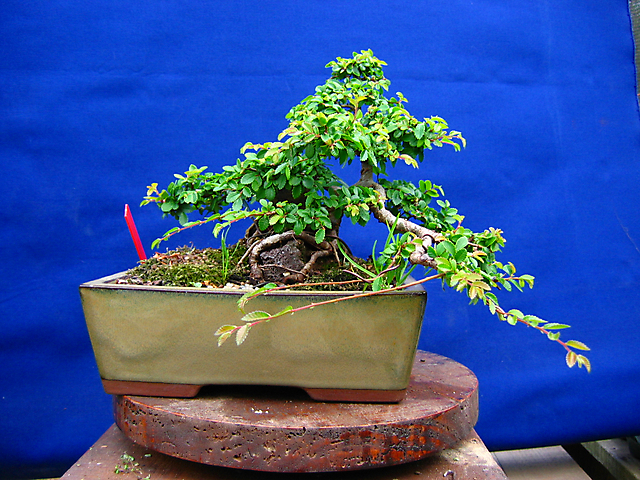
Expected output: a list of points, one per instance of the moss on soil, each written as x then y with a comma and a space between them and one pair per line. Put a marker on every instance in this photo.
191, 267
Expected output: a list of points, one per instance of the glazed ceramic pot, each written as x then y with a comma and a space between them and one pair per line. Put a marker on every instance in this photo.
159, 341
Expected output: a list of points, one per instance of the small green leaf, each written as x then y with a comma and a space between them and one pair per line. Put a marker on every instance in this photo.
556, 326
310, 150
248, 178
492, 307
256, 315
320, 234
168, 206
533, 320
443, 265
481, 285
284, 311
217, 228
528, 278
409, 160
582, 360
275, 219
577, 344
191, 197
308, 182
254, 293
461, 243
492, 297
295, 181
516, 313
517, 284
449, 247
263, 223
270, 193
225, 329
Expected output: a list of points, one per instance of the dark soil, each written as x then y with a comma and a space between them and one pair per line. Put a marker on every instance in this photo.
191, 267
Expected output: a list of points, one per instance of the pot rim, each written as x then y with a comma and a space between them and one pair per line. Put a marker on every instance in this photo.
107, 283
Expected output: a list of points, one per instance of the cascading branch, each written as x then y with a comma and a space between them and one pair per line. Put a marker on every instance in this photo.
290, 192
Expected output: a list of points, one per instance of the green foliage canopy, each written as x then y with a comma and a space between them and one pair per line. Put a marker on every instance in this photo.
288, 185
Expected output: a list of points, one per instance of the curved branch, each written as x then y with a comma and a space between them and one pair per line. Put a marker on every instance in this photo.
402, 225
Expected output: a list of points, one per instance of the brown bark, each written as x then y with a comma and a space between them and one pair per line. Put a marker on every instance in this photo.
324, 249
380, 213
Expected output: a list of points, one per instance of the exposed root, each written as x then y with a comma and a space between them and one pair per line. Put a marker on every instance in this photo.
311, 264
257, 269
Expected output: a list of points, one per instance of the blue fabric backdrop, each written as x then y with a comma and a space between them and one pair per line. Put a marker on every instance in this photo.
100, 98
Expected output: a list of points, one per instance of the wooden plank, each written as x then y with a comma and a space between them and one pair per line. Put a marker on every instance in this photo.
614, 455
547, 463
468, 460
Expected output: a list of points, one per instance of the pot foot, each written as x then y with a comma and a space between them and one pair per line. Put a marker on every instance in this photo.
150, 389
355, 395
179, 390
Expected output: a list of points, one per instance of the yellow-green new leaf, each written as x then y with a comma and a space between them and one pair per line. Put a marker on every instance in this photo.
409, 160
225, 329
256, 315
253, 293
516, 313
284, 311
481, 285
492, 307
223, 338
577, 344
582, 360
572, 358
556, 326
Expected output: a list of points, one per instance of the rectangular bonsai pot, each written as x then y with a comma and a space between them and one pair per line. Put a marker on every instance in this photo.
160, 341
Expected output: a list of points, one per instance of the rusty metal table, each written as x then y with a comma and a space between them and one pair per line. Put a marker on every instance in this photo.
282, 430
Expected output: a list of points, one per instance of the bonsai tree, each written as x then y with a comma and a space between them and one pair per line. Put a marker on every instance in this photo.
297, 203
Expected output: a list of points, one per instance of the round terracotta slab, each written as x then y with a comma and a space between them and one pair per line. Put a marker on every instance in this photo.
276, 429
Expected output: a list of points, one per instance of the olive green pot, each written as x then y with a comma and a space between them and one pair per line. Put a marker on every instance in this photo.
160, 341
